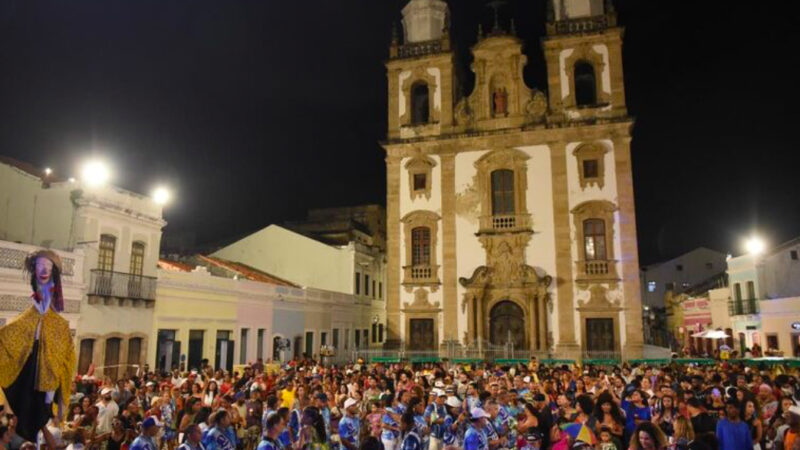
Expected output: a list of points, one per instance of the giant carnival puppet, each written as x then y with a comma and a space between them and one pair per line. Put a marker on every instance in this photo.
37, 357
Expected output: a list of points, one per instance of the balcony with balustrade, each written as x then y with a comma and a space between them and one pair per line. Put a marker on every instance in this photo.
505, 223
596, 270
421, 275
123, 289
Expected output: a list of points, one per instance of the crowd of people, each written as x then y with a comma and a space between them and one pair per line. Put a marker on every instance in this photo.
305, 405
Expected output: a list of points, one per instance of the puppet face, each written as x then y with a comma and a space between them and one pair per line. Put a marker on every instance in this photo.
44, 270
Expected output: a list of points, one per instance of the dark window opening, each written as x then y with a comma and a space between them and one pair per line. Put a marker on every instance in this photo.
591, 168
585, 84
419, 104
420, 182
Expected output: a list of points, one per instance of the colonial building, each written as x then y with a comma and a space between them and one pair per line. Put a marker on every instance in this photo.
230, 313
116, 232
510, 214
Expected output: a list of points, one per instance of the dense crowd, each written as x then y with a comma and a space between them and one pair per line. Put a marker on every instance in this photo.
304, 405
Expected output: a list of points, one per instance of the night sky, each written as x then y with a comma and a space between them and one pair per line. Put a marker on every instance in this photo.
254, 111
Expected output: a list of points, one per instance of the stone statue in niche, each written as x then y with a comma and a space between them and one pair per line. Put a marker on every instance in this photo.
500, 101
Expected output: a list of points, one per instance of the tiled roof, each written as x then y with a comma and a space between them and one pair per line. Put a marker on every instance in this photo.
247, 271
174, 266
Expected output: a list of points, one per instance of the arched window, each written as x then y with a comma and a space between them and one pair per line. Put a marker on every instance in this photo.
594, 239
105, 255
585, 84
137, 258
419, 104
420, 246
86, 355
502, 192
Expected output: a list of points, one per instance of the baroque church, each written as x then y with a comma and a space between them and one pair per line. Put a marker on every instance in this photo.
510, 210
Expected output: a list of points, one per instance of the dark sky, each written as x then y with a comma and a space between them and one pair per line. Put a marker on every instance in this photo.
254, 111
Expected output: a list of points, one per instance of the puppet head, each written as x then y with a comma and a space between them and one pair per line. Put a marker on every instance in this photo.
45, 266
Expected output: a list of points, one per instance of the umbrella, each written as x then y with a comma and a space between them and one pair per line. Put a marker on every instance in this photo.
711, 334
580, 432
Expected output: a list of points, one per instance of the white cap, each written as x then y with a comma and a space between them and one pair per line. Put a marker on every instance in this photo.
106, 391
150, 383
439, 384
795, 410
350, 402
439, 393
479, 413
527, 379
453, 402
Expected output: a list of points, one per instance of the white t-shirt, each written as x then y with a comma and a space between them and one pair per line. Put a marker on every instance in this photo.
105, 414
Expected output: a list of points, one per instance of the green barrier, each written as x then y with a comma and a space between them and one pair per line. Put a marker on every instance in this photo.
601, 362
700, 361
385, 359
650, 361
512, 361
466, 360
425, 359
557, 361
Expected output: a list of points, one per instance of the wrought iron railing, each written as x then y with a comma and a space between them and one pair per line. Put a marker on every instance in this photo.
743, 307
110, 284
419, 49
582, 25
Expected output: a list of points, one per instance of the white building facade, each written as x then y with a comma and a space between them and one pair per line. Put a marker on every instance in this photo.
510, 216
117, 234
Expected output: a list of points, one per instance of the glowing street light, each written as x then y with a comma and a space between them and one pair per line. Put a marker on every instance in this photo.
48, 171
755, 245
95, 173
161, 195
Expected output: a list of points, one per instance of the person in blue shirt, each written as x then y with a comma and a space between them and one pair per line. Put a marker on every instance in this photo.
321, 402
454, 423
636, 410
217, 437
194, 438
390, 426
147, 439
473, 401
417, 407
270, 408
436, 414
350, 425
275, 426
411, 440
284, 437
475, 438
732, 432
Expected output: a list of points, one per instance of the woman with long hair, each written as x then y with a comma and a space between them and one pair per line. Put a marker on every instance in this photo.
608, 414
584, 406
210, 393
647, 436
665, 414
312, 432
750, 417
530, 421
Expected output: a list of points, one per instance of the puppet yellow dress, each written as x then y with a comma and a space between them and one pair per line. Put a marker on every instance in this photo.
37, 358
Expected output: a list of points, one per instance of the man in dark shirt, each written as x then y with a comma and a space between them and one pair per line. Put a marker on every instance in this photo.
545, 417
705, 426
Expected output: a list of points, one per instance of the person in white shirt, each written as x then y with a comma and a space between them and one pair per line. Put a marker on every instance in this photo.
107, 409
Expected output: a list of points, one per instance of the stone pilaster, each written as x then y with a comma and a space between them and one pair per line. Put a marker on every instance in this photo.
449, 268
393, 268
566, 344
629, 257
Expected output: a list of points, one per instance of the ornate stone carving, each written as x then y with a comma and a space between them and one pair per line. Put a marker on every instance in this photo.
464, 114
420, 165
536, 108
598, 300
587, 53
594, 151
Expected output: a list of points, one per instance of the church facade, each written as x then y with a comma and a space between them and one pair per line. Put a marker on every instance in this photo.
510, 210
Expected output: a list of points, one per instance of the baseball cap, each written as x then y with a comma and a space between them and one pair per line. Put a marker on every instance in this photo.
350, 402
440, 393
453, 402
478, 413
106, 391
151, 421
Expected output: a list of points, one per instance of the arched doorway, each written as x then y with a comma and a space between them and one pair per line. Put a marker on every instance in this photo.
507, 324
